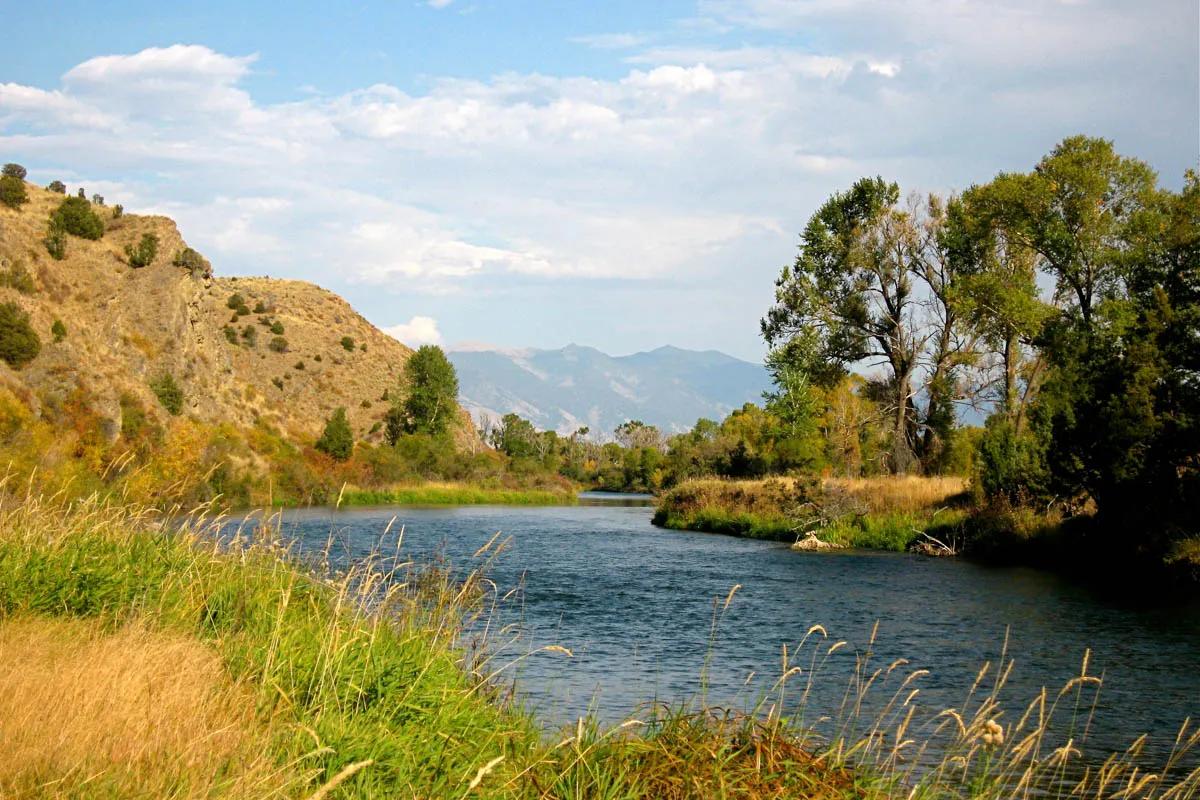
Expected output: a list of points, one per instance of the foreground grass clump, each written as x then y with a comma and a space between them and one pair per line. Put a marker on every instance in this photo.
886, 513
330, 688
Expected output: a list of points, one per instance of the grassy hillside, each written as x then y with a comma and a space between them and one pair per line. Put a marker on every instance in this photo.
136, 372
287, 356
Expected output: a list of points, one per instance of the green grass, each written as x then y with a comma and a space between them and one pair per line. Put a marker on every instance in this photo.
435, 495
389, 688
386, 702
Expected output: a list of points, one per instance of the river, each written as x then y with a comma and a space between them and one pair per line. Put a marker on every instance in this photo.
635, 606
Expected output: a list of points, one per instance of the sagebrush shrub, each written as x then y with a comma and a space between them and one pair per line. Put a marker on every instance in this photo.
19, 343
12, 192
144, 253
76, 217
168, 393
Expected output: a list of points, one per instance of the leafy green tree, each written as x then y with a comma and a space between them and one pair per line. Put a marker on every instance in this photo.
13, 171
76, 217
144, 252
12, 191
997, 291
849, 297
337, 441
168, 393
430, 402
19, 343
515, 437
1086, 211
58, 187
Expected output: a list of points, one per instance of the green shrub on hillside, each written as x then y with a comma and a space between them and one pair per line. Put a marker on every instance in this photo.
192, 261
168, 393
235, 301
17, 277
19, 343
298, 365
348, 343
76, 217
12, 192
279, 344
259, 308
58, 330
144, 253
337, 441
97, 200
250, 335
278, 383
56, 241
57, 186
14, 171
230, 334
118, 211
277, 328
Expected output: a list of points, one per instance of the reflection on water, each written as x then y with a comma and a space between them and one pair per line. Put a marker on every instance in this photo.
635, 605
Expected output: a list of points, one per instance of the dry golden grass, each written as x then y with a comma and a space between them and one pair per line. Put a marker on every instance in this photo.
900, 493
884, 493
130, 713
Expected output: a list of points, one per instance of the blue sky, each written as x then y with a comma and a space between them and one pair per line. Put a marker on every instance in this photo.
619, 174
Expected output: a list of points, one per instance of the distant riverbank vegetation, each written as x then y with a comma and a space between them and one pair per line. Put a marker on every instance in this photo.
1063, 303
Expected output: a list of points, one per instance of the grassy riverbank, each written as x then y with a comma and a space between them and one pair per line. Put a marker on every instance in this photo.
451, 494
881, 513
145, 662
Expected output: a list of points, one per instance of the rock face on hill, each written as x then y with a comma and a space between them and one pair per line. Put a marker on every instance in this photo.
126, 326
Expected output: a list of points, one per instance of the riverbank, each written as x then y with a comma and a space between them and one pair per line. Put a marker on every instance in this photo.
876, 513
451, 494
148, 663
153, 663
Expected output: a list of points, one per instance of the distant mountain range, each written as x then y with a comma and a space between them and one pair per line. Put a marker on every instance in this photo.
576, 386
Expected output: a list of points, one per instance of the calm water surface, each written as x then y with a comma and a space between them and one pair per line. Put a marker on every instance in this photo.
635, 605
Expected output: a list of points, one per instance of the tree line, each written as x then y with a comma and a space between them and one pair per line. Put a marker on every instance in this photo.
1063, 301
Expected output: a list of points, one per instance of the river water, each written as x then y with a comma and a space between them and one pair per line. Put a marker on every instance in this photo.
635, 605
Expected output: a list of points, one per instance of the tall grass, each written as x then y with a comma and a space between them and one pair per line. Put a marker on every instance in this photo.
310, 682
886, 513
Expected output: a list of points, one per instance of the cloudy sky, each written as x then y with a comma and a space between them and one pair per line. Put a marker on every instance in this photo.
623, 174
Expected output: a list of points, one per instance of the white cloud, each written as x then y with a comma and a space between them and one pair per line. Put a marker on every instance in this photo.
611, 41
416, 332
439, 3
699, 161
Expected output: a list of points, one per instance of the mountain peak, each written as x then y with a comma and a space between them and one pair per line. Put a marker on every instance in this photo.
575, 385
